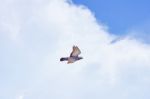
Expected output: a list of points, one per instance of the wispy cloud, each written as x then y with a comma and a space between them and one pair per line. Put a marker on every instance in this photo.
20, 97
47, 31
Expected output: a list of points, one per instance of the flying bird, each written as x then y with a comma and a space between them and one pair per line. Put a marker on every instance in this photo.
73, 56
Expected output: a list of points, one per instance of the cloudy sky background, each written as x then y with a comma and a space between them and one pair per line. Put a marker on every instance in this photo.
121, 16
34, 34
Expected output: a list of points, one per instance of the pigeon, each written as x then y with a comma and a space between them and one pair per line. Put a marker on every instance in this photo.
73, 56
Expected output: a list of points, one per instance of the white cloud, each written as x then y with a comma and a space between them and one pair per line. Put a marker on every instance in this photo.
20, 97
47, 31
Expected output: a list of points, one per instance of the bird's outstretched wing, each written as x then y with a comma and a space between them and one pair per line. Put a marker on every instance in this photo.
75, 51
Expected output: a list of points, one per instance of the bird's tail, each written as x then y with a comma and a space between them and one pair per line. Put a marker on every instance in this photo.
64, 59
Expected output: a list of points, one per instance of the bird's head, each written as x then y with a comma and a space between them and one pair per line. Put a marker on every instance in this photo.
80, 58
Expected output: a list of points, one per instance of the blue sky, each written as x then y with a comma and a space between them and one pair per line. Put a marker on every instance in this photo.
35, 34
119, 15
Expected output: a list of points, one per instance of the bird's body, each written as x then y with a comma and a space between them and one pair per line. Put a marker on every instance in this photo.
73, 56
